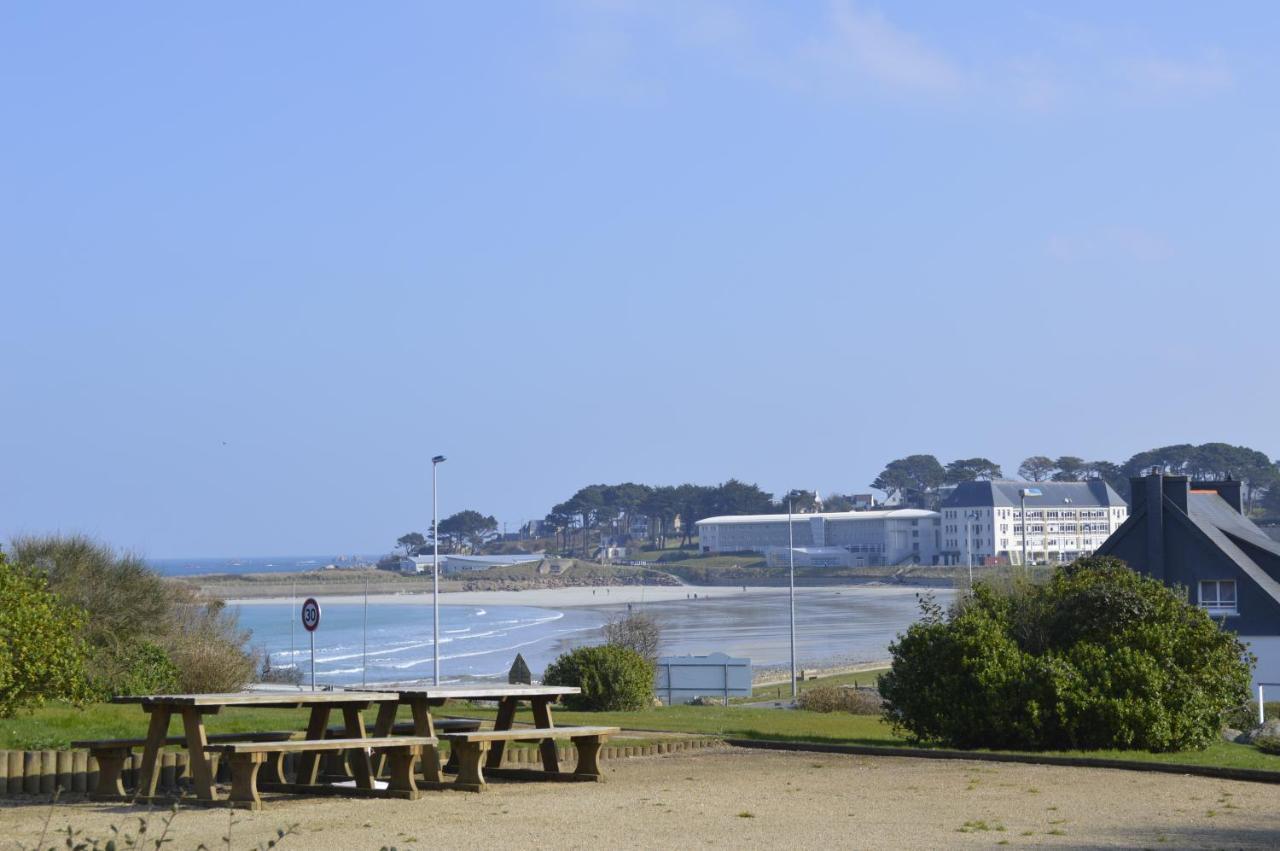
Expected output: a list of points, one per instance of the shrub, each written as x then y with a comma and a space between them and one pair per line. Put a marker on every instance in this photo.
612, 679
1100, 657
836, 699
42, 656
138, 667
637, 632
129, 606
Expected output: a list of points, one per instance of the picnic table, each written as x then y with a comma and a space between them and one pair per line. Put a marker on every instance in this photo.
473, 746
192, 709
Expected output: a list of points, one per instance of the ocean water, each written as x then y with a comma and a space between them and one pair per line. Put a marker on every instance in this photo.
833, 626
253, 564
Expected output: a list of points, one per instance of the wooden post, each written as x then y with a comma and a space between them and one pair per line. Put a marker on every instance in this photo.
309, 762
424, 725
505, 719
65, 772
157, 732
201, 770
542, 718
15, 772
360, 764
244, 779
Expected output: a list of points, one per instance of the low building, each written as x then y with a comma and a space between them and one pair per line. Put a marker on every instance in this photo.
455, 564
1195, 535
412, 565
1065, 521
845, 538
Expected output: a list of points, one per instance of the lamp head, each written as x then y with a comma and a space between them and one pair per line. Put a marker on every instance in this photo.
437, 459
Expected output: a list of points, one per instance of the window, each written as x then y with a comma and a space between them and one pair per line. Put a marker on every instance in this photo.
1218, 596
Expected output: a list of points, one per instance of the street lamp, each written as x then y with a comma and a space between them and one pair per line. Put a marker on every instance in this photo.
1024, 493
968, 541
791, 552
435, 570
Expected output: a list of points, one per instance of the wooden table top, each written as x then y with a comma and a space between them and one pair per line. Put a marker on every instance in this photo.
482, 692
258, 698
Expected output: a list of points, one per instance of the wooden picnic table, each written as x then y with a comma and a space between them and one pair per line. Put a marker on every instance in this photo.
192, 708
422, 699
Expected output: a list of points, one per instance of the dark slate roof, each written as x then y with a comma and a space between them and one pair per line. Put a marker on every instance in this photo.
1094, 493
1214, 516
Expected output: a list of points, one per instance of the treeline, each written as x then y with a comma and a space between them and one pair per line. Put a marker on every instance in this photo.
916, 479
467, 528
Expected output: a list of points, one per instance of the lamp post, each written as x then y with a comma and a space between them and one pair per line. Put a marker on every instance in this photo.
1024, 493
435, 572
968, 542
791, 553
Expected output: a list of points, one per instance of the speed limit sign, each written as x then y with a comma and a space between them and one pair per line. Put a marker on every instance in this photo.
310, 614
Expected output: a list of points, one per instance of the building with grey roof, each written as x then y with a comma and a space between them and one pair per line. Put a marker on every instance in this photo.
1065, 520
828, 539
1195, 535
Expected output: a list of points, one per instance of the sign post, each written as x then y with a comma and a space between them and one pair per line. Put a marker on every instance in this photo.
311, 620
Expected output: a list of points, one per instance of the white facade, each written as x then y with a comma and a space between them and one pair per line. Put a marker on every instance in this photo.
850, 538
1067, 521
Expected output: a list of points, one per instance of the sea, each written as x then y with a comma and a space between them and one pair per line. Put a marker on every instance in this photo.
389, 641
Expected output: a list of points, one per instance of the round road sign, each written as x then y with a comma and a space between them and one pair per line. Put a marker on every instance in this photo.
310, 614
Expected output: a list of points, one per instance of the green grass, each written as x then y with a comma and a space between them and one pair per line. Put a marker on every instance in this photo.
56, 726
783, 690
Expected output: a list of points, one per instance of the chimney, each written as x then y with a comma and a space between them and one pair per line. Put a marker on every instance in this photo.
1152, 488
1175, 490
1230, 490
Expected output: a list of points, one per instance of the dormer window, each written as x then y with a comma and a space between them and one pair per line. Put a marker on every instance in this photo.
1218, 596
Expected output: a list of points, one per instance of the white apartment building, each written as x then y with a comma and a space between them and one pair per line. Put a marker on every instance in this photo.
1066, 521
844, 538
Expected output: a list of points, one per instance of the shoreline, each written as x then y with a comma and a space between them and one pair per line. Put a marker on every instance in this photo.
597, 596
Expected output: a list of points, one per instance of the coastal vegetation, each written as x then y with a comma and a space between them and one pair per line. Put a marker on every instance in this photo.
612, 678
141, 632
42, 656
1100, 657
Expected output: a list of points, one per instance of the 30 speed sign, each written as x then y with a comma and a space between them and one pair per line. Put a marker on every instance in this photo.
310, 614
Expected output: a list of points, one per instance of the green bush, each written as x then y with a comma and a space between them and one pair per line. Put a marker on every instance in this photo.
1099, 657
837, 699
136, 667
129, 607
42, 656
612, 679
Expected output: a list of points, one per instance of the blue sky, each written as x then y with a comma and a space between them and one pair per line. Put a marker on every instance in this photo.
261, 261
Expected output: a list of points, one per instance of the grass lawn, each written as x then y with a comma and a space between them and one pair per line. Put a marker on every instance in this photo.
55, 726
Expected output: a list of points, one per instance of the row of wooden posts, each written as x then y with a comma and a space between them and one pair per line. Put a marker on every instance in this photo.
24, 773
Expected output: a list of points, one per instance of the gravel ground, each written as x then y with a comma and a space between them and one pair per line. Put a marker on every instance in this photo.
742, 798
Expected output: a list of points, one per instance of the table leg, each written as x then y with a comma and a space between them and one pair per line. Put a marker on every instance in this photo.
309, 761
506, 718
424, 725
201, 770
382, 727
360, 764
157, 732
542, 718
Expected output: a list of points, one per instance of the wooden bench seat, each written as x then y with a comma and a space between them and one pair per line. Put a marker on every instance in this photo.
112, 754
471, 748
401, 751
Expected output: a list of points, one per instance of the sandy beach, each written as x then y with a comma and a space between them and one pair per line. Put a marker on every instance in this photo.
584, 596
749, 799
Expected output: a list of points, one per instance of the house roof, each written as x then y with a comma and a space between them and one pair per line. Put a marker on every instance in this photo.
1215, 517
891, 514
1094, 493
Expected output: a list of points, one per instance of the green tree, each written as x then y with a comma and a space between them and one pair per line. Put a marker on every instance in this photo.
1100, 657
42, 656
802, 501
468, 527
915, 479
1037, 468
972, 469
838, 502
412, 543
1070, 469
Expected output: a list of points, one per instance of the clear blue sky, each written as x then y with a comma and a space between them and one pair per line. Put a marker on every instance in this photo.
261, 261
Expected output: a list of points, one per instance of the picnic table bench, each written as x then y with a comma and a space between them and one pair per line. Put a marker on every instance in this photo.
401, 751
471, 748
192, 709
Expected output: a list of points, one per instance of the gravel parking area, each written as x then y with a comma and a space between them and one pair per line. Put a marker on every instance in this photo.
731, 798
